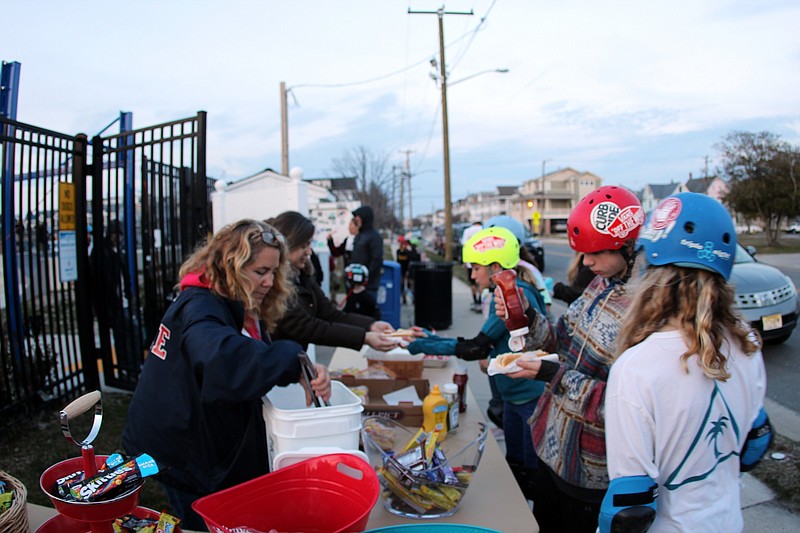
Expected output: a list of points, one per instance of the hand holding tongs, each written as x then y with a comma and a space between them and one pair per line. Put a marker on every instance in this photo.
311, 373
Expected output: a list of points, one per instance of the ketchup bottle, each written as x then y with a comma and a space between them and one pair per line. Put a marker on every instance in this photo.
516, 321
460, 378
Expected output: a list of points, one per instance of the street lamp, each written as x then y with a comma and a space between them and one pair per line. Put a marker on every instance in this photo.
487, 71
448, 209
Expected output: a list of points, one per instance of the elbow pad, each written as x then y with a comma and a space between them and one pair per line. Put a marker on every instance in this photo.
474, 349
629, 506
759, 439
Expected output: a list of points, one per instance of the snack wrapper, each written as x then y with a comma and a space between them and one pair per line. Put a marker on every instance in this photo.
110, 481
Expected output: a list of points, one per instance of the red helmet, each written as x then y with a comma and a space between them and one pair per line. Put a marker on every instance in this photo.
604, 219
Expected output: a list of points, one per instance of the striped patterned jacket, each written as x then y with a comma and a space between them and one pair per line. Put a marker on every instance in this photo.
569, 424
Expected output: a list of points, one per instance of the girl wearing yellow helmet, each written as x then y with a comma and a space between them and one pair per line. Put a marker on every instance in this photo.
491, 251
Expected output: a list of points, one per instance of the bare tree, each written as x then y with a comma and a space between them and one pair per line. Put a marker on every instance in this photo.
374, 180
761, 173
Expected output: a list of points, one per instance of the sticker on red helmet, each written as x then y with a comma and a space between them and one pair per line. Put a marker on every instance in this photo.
608, 218
490, 242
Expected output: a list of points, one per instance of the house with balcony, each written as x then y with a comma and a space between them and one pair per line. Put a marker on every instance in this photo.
543, 204
485, 205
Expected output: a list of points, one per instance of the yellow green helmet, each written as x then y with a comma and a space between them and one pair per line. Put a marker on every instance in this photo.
492, 245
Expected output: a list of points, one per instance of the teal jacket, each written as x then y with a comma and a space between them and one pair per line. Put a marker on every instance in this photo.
490, 342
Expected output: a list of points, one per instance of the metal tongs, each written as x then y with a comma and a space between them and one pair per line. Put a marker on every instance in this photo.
311, 373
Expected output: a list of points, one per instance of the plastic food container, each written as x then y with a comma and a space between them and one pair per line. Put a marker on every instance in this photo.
292, 458
328, 494
63, 524
432, 491
87, 512
435, 361
293, 426
399, 361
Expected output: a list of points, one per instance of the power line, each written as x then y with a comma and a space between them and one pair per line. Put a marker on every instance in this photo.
472, 33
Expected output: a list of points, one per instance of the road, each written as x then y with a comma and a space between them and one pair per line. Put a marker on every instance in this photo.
782, 360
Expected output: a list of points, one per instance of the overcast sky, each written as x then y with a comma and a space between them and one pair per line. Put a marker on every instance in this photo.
634, 91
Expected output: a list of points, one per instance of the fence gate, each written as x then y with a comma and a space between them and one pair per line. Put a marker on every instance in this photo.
152, 211
141, 205
44, 355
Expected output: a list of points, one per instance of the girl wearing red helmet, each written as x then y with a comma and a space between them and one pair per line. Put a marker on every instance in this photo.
568, 425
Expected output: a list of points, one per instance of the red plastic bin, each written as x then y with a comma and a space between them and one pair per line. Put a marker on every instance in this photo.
327, 494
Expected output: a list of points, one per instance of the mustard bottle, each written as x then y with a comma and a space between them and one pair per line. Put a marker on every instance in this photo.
434, 413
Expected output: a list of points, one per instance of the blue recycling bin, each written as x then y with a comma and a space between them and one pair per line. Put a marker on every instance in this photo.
389, 293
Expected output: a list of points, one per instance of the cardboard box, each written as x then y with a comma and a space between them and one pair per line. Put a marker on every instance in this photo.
406, 414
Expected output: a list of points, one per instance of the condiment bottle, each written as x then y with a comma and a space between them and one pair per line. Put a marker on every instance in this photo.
516, 321
434, 413
451, 395
460, 379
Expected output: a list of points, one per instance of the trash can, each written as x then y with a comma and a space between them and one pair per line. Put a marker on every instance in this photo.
433, 294
389, 293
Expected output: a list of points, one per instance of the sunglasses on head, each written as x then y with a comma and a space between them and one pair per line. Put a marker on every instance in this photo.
272, 237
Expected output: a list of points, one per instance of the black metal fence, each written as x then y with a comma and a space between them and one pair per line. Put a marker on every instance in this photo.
93, 236
41, 355
153, 211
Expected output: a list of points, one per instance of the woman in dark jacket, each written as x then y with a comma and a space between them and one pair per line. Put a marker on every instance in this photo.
312, 317
197, 406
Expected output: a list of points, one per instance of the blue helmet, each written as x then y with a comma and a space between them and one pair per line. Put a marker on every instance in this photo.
511, 224
690, 230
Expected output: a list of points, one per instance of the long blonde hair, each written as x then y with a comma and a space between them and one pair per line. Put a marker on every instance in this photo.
222, 261
701, 302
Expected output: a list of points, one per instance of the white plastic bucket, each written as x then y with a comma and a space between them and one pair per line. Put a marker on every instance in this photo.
290, 458
292, 426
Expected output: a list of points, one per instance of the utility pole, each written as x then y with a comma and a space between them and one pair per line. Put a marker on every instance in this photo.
407, 176
402, 196
284, 132
394, 189
448, 208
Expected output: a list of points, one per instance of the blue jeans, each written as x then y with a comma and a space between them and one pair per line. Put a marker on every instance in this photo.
520, 454
519, 443
181, 503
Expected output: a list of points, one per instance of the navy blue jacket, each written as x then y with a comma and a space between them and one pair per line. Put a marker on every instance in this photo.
197, 406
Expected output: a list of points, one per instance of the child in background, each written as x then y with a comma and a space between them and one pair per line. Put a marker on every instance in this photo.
358, 300
403, 259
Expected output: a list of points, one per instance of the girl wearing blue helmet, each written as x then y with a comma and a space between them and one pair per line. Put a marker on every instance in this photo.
684, 402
